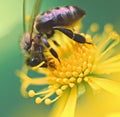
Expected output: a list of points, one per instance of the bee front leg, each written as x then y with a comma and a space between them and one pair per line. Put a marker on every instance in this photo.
52, 51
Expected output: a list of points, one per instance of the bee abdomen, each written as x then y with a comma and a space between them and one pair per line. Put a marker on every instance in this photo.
60, 16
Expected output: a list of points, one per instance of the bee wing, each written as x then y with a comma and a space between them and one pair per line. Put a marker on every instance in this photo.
35, 11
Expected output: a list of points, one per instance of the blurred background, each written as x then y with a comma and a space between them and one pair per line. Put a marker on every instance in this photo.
12, 104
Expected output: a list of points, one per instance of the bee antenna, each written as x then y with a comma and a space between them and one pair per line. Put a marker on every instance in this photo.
33, 15
24, 13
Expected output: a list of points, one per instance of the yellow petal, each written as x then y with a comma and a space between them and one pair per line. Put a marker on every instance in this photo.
26, 81
59, 106
108, 85
65, 107
114, 115
70, 106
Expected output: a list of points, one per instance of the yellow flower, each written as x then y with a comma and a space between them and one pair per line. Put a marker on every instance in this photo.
81, 67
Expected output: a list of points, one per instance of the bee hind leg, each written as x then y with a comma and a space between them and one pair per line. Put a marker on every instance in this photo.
76, 37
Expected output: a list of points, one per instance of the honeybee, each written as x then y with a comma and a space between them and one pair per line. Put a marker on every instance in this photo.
35, 42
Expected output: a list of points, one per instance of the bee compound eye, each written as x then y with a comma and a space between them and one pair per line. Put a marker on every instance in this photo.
33, 61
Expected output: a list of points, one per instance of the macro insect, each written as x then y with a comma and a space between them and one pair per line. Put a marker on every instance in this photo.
45, 24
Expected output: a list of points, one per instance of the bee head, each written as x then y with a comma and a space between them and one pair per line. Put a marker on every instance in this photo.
26, 42
33, 61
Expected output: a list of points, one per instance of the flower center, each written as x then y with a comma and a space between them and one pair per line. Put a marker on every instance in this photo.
75, 64
75, 67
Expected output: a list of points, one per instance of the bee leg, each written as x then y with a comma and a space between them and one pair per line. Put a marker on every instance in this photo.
76, 37
52, 51
50, 34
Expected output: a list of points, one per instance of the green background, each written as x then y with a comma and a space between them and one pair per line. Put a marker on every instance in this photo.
12, 104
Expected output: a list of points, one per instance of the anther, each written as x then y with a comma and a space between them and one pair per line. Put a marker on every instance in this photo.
64, 87
89, 65
65, 80
75, 74
68, 67
71, 85
79, 80
58, 80
72, 79
86, 79
48, 101
86, 72
68, 74
59, 92
61, 74
31, 93
94, 27
90, 59
38, 100
84, 65
55, 86
78, 69
81, 75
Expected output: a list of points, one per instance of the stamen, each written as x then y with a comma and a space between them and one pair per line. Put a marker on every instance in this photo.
75, 74
65, 80
79, 80
31, 93
81, 75
94, 27
59, 92
64, 87
72, 79
87, 71
68, 74
108, 28
84, 65
49, 101
71, 85
38, 100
